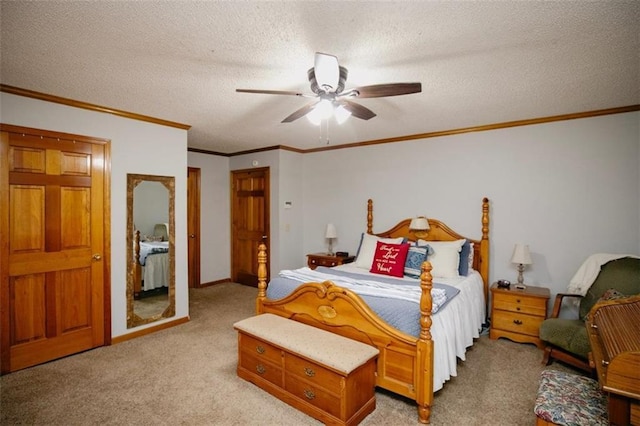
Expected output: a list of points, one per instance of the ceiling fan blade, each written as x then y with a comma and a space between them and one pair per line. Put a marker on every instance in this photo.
300, 113
327, 71
357, 110
275, 92
393, 89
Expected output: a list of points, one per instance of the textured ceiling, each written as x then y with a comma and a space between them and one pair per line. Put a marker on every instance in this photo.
479, 62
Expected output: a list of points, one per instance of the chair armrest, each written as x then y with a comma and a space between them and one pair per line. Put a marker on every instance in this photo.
557, 304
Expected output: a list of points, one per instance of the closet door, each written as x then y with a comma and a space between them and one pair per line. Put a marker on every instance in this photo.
249, 222
52, 219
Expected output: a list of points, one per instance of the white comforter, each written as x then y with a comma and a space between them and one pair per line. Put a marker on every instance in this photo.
367, 287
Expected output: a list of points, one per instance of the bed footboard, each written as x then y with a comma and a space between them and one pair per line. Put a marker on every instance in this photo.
405, 364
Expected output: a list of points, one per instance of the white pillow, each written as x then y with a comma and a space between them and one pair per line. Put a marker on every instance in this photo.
445, 258
368, 249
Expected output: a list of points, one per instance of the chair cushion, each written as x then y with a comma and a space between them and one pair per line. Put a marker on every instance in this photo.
569, 335
570, 399
621, 274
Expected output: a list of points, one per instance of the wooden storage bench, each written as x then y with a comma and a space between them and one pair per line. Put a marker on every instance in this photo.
327, 376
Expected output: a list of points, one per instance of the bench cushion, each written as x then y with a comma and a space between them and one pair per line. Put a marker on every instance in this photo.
570, 399
331, 350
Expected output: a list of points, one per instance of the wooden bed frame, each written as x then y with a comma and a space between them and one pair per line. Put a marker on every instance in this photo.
405, 363
137, 268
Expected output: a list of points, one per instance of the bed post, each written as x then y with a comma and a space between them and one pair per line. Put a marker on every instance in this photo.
424, 357
262, 277
137, 268
484, 249
369, 216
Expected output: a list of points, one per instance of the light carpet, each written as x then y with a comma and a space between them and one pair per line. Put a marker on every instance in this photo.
186, 375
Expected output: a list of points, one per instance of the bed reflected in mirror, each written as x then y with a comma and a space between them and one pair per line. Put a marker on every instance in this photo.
150, 248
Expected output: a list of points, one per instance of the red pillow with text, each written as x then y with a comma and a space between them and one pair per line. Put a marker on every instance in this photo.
389, 259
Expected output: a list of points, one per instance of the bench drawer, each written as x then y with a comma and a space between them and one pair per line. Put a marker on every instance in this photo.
312, 394
260, 348
261, 367
312, 372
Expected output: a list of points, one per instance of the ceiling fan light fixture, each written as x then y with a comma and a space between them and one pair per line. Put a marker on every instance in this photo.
314, 118
321, 111
341, 114
324, 108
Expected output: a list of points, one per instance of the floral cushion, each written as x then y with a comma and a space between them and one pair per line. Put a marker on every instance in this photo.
571, 400
611, 294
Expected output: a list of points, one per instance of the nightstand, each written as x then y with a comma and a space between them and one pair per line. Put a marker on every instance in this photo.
324, 259
517, 314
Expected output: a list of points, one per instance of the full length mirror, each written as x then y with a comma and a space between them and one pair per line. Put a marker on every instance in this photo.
150, 248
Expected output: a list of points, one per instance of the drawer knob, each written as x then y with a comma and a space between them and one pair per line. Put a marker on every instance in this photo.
517, 300
309, 394
260, 349
260, 369
309, 372
517, 322
518, 308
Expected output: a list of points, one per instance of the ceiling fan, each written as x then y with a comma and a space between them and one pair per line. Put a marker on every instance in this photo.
327, 80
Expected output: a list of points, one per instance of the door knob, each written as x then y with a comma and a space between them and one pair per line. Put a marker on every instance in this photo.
192, 235
96, 257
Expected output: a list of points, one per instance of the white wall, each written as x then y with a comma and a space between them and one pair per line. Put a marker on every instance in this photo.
215, 222
286, 186
567, 189
291, 219
136, 147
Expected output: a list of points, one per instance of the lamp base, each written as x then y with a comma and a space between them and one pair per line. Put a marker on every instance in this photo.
330, 252
520, 276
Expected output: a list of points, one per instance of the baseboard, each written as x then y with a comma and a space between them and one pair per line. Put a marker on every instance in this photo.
149, 330
210, 283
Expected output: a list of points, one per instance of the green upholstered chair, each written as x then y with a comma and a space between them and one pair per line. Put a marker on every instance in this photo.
566, 339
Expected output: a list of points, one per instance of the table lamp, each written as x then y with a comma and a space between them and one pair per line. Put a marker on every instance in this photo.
521, 257
330, 234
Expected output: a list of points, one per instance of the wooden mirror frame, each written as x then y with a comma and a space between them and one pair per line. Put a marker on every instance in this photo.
134, 180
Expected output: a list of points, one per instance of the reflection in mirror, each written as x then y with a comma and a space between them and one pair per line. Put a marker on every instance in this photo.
150, 248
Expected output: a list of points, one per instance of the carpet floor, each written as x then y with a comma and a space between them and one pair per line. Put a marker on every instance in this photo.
185, 375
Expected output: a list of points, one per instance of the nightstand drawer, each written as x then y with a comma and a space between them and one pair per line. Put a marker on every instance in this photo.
520, 304
324, 261
517, 323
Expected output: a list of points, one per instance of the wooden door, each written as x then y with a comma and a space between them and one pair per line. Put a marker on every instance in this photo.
53, 217
193, 226
249, 222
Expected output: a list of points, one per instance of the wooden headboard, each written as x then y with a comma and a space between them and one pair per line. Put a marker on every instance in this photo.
438, 231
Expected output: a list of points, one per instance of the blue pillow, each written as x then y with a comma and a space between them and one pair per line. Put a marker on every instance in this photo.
415, 257
463, 266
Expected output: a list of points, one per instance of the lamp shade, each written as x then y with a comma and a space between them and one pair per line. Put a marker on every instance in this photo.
419, 223
331, 231
521, 255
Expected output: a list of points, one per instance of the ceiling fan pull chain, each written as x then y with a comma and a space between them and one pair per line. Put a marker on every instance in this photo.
327, 130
